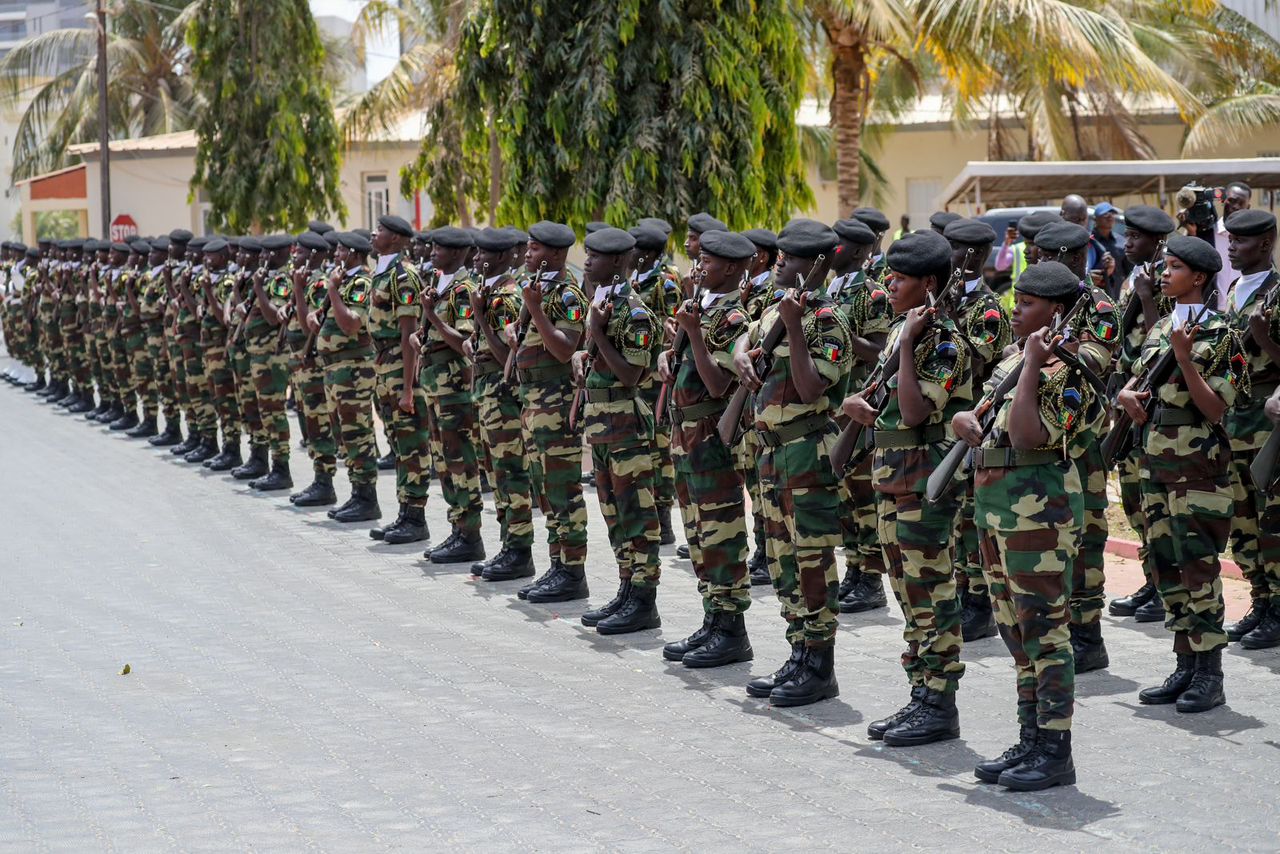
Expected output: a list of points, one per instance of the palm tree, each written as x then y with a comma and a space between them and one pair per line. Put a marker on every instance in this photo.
148, 91
1241, 84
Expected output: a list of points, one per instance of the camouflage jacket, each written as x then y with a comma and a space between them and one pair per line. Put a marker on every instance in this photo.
631, 329
443, 371
985, 324
397, 293
1247, 424
501, 295
356, 293
866, 309
778, 401
261, 336
761, 294
1099, 331
565, 305
1130, 346
696, 439
151, 294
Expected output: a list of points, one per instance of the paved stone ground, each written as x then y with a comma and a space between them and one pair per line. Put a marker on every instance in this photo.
296, 686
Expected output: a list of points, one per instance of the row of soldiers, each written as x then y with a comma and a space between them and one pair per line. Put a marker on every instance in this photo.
830, 382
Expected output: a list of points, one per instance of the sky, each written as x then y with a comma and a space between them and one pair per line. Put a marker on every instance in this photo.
381, 53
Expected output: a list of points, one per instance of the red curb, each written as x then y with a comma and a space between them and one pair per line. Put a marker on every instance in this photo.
1129, 549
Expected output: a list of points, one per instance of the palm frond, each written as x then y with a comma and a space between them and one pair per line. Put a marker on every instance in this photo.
1233, 119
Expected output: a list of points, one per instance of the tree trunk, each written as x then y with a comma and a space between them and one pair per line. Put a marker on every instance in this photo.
848, 72
495, 169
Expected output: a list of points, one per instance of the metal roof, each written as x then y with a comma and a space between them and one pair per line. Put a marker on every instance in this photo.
985, 183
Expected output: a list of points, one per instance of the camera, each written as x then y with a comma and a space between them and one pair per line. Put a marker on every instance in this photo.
1196, 207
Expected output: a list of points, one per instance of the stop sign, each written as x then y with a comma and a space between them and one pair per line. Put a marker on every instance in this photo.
123, 227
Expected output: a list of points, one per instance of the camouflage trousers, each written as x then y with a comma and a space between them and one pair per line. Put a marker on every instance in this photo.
348, 389
222, 388
141, 374
802, 510
1131, 502
710, 490
858, 523
408, 433
177, 372
1088, 579
451, 421
664, 473
50, 342
746, 455
121, 362
201, 416
1030, 584
316, 406
106, 361
246, 397
968, 570
916, 537
270, 372
555, 467
624, 487
158, 356
498, 408
99, 360
1187, 529
77, 360
1255, 531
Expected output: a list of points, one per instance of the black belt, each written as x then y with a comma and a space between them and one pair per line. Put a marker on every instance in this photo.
697, 411
385, 344
1008, 458
792, 430
1169, 416
442, 356
913, 437
484, 369
610, 395
357, 351
547, 372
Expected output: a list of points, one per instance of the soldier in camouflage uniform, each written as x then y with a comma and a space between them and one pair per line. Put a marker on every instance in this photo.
495, 301
248, 261
121, 280
1145, 229
553, 318
1186, 479
932, 383
1099, 335
709, 481
1252, 313
133, 343
619, 427
202, 418
157, 313
874, 219
214, 287
1030, 509
866, 309
102, 314
73, 337
793, 405
984, 322
311, 274
152, 362
445, 377
268, 364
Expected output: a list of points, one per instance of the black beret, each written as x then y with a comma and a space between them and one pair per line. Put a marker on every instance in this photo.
518, 235
95, 245
762, 237
806, 238
6, 244
495, 240
422, 236
452, 238
1198, 254
1250, 223
33, 253
596, 225
1030, 224
728, 245
331, 238
919, 254
704, 222
314, 240
941, 219
363, 232
1062, 237
552, 234
216, 245
250, 244
972, 232
872, 218
179, 235
610, 241
319, 226
19, 246
855, 231
78, 243
1149, 219
648, 238
396, 225
159, 244
276, 242
140, 247
120, 247
656, 222
358, 242
1049, 280
197, 243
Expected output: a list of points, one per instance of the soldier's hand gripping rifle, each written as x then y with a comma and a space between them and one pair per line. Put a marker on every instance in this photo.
580, 387
731, 418
1130, 317
942, 476
1263, 470
522, 328
678, 347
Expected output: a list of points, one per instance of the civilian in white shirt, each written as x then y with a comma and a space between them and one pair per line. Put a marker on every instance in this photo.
1237, 196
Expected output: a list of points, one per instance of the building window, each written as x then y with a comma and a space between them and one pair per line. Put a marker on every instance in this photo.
13, 30
377, 199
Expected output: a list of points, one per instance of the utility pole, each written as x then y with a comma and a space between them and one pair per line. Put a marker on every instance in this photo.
104, 147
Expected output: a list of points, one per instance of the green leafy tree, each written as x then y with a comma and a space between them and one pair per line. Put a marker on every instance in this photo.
269, 146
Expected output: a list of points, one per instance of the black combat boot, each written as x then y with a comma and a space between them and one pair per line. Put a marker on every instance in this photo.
677, 650
1267, 633
279, 478
1250, 621
937, 719
171, 436
55, 391
127, 421
1126, 606
867, 594
116, 411
206, 450
764, 686
877, 729
517, 562
255, 466
595, 615
187, 445
1174, 684
69, 400
1047, 764
1151, 611
682, 551
667, 536
1205, 690
83, 405
990, 770
850, 580
412, 528
727, 644
639, 611
461, 547
477, 568
229, 459
978, 621
37, 384
564, 584
1089, 648
145, 430
523, 592
813, 680
380, 531
362, 507
319, 494
759, 569
388, 462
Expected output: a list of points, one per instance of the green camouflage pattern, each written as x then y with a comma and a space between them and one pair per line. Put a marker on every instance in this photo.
624, 488
498, 406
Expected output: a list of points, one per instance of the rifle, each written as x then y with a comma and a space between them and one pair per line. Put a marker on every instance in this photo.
1134, 305
575, 410
727, 426
677, 348
522, 329
846, 453
945, 472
